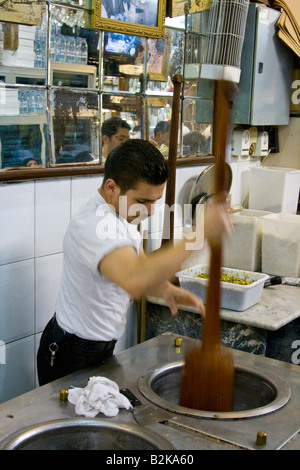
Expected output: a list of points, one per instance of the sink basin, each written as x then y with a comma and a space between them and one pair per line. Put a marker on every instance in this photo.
85, 434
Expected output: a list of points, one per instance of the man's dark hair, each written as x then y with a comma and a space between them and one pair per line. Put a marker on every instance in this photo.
133, 161
111, 126
162, 126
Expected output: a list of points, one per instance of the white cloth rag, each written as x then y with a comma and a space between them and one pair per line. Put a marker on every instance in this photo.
291, 281
101, 395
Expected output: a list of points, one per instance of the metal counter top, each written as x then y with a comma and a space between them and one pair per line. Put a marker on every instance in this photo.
184, 432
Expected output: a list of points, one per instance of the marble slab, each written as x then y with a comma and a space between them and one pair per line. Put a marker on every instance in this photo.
278, 306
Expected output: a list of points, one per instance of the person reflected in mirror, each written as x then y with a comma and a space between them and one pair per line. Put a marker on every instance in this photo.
195, 143
104, 265
30, 163
114, 9
136, 133
114, 131
162, 137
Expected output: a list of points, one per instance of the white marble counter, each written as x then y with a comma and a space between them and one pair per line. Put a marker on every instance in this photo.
278, 306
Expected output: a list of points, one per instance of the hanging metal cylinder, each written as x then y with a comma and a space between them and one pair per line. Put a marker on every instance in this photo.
224, 40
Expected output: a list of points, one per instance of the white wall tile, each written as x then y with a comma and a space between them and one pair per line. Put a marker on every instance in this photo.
47, 282
82, 189
17, 300
16, 222
52, 215
17, 375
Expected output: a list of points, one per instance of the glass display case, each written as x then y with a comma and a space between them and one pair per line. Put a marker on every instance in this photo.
60, 80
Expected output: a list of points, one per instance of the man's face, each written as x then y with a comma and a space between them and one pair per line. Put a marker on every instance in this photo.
138, 202
111, 142
163, 138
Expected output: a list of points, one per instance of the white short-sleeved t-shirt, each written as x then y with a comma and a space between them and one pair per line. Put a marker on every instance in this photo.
88, 304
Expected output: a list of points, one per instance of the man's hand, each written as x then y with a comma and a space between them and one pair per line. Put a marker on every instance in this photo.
175, 296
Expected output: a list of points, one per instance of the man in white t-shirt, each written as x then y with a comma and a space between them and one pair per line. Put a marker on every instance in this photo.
104, 264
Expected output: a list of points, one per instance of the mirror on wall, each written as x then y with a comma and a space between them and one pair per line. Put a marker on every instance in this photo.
60, 80
23, 127
74, 126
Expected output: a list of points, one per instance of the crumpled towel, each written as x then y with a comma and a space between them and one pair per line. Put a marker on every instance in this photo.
291, 281
101, 395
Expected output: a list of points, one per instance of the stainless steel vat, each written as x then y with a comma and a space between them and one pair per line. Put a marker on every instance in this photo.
256, 392
85, 434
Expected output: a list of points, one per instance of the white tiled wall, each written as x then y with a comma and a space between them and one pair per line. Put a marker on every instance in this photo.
33, 219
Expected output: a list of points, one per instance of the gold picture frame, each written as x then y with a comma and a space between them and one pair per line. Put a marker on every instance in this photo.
128, 20
25, 13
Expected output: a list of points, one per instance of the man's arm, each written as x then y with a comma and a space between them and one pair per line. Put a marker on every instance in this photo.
143, 275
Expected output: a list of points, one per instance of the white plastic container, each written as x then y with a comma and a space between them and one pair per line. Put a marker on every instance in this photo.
274, 189
243, 249
281, 245
234, 296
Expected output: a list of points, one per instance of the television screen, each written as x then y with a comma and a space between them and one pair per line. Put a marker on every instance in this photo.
120, 43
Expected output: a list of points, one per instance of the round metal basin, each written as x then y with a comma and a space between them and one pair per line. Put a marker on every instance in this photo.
85, 434
256, 392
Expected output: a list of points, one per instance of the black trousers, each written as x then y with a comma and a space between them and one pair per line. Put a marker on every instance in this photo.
72, 353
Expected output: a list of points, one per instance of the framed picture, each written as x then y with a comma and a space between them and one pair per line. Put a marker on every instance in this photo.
137, 17
158, 58
27, 12
184, 7
123, 53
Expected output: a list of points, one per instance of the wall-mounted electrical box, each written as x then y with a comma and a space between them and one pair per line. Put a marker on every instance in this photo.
262, 144
240, 143
266, 72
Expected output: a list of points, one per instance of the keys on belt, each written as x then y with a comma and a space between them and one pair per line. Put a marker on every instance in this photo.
53, 347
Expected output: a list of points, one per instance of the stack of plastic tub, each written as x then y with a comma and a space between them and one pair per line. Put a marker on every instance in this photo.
274, 189
281, 245
243, 249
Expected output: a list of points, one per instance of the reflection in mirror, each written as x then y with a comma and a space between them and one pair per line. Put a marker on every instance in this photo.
74, 49
158, 59
123, 61
168, 55
23, 53
23, 127
74, 127
159, 119
125, 108
176, 22
54, 100
196, 130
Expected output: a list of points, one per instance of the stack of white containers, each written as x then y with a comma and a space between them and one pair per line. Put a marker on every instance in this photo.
274, 189
243, 249
9, 102
24, 55
277, 189
267, 235
281, 245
